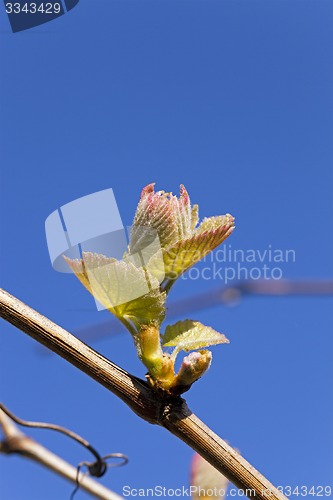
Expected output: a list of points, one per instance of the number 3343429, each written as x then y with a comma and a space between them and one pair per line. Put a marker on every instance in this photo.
33, 8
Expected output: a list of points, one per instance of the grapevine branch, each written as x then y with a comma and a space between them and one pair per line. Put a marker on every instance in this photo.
171, 413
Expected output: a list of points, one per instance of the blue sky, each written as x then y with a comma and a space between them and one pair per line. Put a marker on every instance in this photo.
233, 99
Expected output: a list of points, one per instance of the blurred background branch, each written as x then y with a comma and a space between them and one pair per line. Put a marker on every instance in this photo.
228, 295
16, 442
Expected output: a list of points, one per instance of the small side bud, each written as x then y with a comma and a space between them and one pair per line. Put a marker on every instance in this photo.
193, 367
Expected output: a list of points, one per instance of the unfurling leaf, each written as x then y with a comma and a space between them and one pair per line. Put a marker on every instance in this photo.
190, 335
183, 244
173, 218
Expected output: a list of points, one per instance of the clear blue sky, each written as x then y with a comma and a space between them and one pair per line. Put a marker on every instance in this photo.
233, 99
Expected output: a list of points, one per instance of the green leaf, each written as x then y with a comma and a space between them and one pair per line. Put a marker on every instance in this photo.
184, 254
190, 335
128, 291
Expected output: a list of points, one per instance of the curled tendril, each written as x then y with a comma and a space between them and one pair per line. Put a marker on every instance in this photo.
96, 469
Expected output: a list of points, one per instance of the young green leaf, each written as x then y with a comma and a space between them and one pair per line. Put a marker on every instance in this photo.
127, 291
180, 257
190, 335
